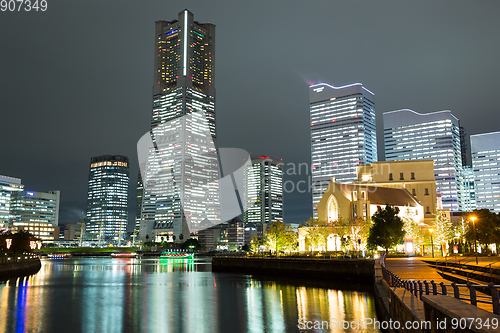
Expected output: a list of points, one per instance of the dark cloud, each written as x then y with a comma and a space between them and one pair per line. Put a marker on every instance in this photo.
75, 81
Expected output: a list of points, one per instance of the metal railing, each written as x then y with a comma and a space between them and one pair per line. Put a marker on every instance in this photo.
419, 288
473, 272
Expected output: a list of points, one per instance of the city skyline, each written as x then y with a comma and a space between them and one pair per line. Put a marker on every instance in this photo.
401, 58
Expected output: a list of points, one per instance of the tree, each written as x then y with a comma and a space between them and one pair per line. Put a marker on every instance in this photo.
387, 229
191, 243
487, 228
358, 233
280, 237
255, 244
315, 234
442, 229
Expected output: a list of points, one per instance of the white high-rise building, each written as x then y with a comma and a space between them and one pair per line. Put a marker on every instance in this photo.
8, 187
343, 135
409, 135
263, 197
485, 149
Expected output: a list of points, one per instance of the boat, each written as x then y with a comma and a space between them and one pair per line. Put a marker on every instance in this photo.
176, 255
126, 255
59, 255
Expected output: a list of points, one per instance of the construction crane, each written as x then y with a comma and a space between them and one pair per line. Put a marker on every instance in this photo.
81, 231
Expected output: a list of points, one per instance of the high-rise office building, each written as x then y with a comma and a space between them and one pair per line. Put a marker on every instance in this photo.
409, 135
342, 134
485, 149
8, 186
182, 161
36, 212
138, 202
107, 198
263, 187
468, 189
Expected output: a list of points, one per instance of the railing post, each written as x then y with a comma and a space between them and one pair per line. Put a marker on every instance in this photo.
443, 289
494, 298
426, 287
415, 291
472, 291
456, 292
420, 290
434, 288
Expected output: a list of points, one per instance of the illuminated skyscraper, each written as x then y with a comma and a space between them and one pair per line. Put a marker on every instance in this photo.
107, 197
342, 134
36, 212
263, 197
183, 159
485, 149
8, 186
409, 135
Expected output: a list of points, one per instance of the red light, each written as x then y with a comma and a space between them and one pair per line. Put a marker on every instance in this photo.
355, 116
312, 124
333, 120
264, 157
314, 207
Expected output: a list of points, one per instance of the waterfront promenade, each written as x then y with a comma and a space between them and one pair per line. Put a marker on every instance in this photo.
421, 269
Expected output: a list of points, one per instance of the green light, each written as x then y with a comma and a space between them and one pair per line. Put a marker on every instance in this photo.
196, 32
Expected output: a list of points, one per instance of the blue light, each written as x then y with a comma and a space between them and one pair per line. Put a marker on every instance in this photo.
30, 193
171, 32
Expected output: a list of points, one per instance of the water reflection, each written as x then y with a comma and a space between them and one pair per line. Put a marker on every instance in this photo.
181, 295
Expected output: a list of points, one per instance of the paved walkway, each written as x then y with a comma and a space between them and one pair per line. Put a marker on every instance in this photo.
416, 269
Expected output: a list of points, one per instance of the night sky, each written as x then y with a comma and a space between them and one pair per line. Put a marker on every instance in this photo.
76, 80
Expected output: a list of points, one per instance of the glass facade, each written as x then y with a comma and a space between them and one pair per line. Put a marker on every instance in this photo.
263, 186
107, 198
485, 149
8, 186
469, 192
179, 194
36, 212
343, 134
409, 135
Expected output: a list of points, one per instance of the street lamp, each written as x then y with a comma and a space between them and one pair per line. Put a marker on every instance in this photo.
473, 218
432, 242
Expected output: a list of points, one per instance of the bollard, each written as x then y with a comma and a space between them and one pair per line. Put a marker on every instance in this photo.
434, 288
443, 289
472, 291
456, 292
494, 298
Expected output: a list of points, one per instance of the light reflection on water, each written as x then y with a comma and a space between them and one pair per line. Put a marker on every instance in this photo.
182, 295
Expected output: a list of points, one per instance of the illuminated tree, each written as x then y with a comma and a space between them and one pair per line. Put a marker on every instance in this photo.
280, 237
442, 227
358, 233
315, 234
255, 244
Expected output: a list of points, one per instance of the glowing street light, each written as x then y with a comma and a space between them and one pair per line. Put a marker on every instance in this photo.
432, 242
473, 218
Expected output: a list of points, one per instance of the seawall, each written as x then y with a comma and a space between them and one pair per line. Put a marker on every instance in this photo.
342, 269
19, 267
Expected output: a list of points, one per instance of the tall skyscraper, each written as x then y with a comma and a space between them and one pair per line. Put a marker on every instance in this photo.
263, 186
183, 159
138, 203
36, 212
409, 135
485, 149
8, 186
342, 134
107, 198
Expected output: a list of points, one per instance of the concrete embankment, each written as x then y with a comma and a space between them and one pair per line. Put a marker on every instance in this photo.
342, 269
19, 267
